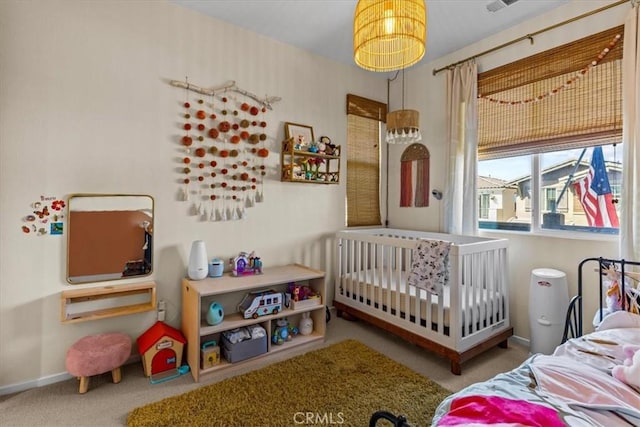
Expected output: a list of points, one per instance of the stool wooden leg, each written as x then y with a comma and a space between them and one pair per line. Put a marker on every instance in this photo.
84, 385
116, 374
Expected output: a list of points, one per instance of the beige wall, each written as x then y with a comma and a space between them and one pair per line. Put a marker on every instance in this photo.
85, 107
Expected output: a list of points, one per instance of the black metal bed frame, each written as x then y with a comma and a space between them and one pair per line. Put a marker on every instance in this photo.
573, 320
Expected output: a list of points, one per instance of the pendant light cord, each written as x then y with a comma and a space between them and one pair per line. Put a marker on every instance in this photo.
386, 220
388, 88
403, 88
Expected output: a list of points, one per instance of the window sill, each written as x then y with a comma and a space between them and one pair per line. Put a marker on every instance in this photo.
558, 234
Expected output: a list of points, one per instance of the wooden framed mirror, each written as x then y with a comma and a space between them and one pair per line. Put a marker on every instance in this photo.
109, 237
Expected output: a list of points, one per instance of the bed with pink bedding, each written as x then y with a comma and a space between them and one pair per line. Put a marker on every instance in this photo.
574, 386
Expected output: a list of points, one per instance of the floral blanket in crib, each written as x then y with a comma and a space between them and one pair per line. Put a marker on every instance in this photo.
430, 265
572, 387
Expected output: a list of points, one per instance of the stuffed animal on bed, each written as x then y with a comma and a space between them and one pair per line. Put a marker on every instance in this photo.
613, 295
629, 371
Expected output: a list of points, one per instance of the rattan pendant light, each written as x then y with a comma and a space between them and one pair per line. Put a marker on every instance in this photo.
403, 126
389, 35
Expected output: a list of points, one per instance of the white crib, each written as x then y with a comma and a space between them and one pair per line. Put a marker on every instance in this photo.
470, 316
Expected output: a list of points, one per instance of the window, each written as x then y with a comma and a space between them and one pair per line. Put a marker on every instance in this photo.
510, 181
363, 160
549, 200
484, 206
560, 174
548, 126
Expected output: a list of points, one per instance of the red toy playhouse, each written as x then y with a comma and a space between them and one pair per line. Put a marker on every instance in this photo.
160, 347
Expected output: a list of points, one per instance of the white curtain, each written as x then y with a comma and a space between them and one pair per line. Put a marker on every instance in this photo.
460, 201
630, 197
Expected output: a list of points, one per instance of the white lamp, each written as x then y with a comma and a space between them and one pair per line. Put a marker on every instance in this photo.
198, 266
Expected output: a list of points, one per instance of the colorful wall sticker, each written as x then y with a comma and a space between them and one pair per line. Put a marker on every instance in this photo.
45, 216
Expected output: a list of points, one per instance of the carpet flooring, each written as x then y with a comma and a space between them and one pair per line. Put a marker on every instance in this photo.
108, 405
344, 383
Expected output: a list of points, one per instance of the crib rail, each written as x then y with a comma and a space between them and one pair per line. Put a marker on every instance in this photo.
371, 275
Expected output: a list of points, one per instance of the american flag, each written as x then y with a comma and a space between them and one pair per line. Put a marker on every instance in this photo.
595, 195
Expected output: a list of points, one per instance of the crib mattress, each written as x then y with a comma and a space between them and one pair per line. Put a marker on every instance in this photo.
378, 293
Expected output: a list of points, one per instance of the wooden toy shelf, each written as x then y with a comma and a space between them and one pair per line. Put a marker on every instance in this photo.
229, 291
292, 160
119, 300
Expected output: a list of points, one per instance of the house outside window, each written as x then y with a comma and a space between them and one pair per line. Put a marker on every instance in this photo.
496, 198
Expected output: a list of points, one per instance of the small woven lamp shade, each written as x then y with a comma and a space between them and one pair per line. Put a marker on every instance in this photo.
389, 35
403, 127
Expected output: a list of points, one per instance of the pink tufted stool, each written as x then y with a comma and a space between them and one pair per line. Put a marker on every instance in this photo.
97, 354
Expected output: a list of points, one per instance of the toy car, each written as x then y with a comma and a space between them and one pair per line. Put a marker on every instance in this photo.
261, 303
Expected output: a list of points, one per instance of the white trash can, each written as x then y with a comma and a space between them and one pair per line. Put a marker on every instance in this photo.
548, 303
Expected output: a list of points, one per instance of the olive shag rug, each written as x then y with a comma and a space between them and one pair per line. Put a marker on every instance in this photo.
342, 384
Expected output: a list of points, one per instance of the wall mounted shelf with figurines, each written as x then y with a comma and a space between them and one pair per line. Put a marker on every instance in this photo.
303, 159
223, 134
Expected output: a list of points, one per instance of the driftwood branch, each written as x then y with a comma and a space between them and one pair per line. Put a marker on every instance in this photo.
229, 86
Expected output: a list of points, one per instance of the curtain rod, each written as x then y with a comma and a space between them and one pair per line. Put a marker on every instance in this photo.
530, 36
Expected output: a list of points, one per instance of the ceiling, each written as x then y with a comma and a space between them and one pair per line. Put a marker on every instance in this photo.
324, 27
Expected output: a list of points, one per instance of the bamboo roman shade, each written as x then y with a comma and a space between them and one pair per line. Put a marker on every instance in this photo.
363, 160
563, 98
366, 108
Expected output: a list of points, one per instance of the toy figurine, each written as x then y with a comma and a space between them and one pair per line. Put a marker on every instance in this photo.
293, 330
246, 264
629, 371
306, 324
299, 142
614, 299
281, 332
215, 314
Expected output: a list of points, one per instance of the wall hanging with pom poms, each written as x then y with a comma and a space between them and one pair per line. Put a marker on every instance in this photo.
419, 154
223, 150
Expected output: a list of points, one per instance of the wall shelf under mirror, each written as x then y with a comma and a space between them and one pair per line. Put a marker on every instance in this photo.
80, 305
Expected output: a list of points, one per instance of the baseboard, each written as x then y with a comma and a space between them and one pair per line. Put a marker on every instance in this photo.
50, 379
521, 341
40, 382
